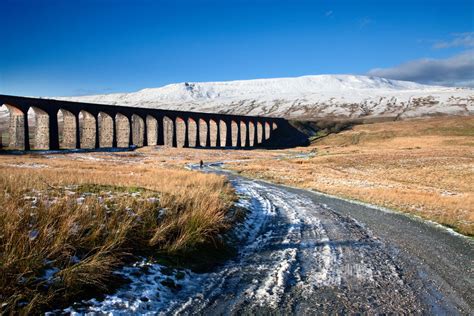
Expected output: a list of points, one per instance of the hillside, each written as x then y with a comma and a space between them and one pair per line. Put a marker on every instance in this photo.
417, 166
308, 97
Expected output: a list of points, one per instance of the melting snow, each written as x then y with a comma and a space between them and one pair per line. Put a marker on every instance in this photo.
284, 244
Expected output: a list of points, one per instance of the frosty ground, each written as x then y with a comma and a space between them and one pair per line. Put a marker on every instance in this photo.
302, 253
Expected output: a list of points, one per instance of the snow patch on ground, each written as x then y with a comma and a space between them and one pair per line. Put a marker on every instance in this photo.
287, 244
151, 290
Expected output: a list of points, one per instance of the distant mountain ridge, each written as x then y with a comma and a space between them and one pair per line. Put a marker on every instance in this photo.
307, 97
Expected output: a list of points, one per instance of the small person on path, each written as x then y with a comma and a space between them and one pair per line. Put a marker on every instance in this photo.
201, 164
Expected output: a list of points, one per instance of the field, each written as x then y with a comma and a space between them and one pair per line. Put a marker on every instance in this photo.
423, 167
68, 221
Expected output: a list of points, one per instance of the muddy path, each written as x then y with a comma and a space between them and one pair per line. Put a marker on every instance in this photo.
305, 253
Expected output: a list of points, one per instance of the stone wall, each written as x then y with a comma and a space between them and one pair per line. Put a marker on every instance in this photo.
167, 131
138, 130
87, 130
192, 132
243, 133
41, 130
152, 130
223, 132
17, 130
267, 130
234, 133
106, 130
251, 134
213, 133
68, 137
203, 133
123, 130
259, 133
99, 126
180, 132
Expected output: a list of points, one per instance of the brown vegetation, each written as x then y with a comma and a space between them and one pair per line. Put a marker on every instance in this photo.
423, 167
66, 224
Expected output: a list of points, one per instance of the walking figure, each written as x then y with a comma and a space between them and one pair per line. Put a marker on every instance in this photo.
201, 164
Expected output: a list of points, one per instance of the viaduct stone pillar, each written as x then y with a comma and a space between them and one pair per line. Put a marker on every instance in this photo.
41, 129
68, 139
106, 130
152, 130
18, 130
88, 130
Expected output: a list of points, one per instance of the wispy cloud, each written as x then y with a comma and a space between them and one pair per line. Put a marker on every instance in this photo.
458, 40
457, 70
328, 13
364, 22
83, 91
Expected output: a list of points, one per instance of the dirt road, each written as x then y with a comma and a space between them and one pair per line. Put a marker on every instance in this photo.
304, 253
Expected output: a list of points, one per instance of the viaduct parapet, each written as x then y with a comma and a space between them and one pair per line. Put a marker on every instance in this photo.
37, 123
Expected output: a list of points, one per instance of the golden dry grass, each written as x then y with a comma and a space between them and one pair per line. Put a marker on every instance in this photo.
424, 167
56, 209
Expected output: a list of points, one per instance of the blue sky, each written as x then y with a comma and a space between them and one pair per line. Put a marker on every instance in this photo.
52, 48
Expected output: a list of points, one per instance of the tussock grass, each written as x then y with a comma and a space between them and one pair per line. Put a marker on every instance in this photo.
63, 231
423, 167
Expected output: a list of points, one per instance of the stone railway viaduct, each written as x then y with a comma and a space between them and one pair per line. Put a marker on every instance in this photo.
69, 125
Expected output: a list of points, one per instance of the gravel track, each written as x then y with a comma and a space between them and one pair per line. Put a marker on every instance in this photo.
305, 253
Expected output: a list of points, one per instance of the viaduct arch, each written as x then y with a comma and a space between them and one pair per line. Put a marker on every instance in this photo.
66, 125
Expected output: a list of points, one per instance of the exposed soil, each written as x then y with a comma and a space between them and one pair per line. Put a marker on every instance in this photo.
304, 253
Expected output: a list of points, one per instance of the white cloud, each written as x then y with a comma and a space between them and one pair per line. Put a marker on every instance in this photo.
457, 70
459, 40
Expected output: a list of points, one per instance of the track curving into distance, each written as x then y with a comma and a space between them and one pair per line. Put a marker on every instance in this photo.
303, 253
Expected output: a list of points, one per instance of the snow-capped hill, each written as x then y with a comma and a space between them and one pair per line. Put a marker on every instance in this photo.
307, 97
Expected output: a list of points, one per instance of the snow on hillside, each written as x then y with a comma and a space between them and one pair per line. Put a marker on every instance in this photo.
308, 97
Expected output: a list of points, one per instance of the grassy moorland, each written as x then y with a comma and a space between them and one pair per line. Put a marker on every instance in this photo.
68, 220
67, 223
423, 167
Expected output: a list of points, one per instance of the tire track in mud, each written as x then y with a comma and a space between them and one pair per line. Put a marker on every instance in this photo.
319, 262
297, 256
